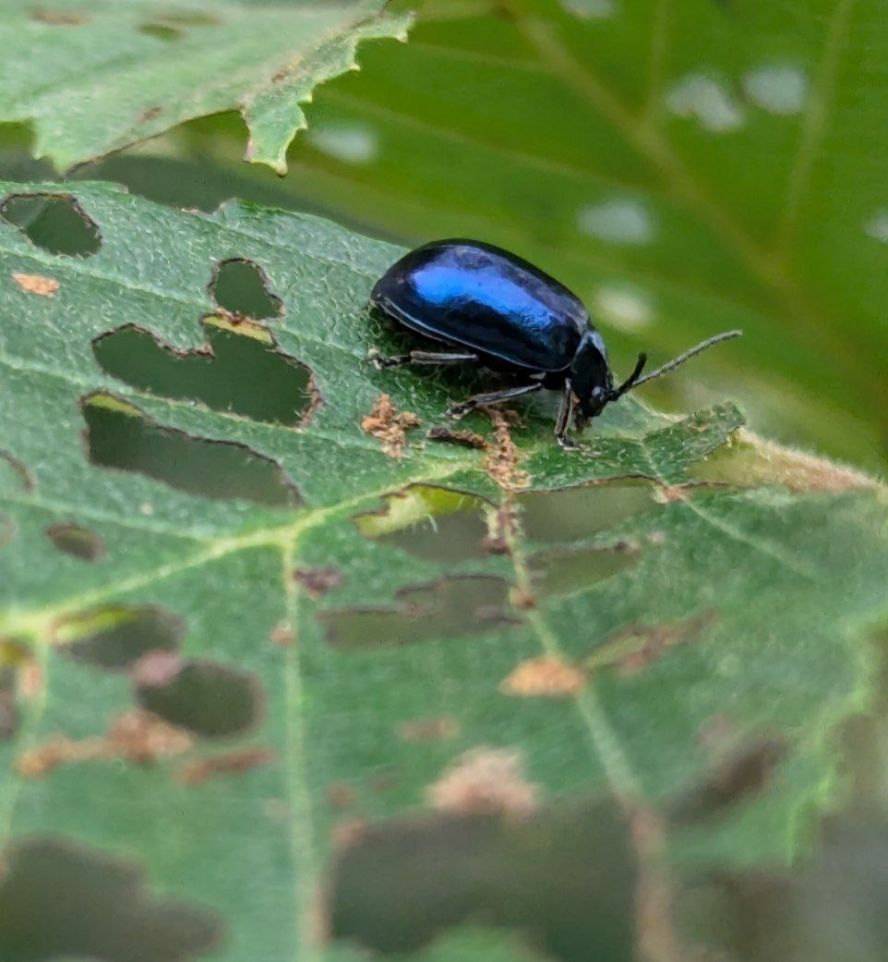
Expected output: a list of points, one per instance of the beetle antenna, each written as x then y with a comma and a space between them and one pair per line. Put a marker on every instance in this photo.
635, 381
632, 380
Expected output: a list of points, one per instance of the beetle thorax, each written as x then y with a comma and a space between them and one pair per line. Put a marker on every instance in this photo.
590, 374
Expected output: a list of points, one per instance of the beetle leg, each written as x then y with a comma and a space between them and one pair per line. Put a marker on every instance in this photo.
380, 362
495, 397
562, 421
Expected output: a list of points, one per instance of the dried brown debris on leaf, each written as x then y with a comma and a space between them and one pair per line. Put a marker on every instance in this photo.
642, 645
389, 425
544, 677
503, 456
428, 729
230, 763
318, 581
464, 438
501, 528
133, 736
37, 284
485, 781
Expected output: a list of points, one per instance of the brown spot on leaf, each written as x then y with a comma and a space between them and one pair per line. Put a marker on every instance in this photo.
152, 113
348, 832
503, 457
428, 729
669, 493
545, 677
201, 770
340, 795
389, 426
744, 772
77, 541
501, 528
638, 646
37, 284
133, 736
465, 439
283, 634
485, 781
59, 18
318, 581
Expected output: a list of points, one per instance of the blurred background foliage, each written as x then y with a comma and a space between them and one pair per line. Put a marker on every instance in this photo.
686, 168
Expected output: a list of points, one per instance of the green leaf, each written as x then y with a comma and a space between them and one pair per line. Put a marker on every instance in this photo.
686, 168
343, 641
93, 76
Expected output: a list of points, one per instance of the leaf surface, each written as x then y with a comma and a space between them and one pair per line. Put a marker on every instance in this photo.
333, 633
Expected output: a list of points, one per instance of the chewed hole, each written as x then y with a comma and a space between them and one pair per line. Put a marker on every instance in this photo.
434, 524
120, 436
55, 222
115, 637
241, 372
161, 31
566, 572
203, 696
76, 541
446, 609
60, 900
565, 878
574, 513
241, 288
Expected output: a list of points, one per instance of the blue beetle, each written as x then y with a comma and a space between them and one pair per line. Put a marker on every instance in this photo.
501, 312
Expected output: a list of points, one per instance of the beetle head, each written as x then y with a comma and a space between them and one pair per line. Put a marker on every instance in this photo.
590, 375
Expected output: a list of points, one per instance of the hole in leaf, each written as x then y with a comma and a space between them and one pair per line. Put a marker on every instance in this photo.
55, 222
446, 609
204, 697
241, 371
430, 523
59, 899
566, 877
574, 513
120, 436
161, 31
565, 572
241, 288
76, 541
117, 636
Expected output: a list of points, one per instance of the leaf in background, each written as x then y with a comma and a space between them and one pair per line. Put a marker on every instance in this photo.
239, 638
93, 76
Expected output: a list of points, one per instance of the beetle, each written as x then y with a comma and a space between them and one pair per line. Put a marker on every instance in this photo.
492, 308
